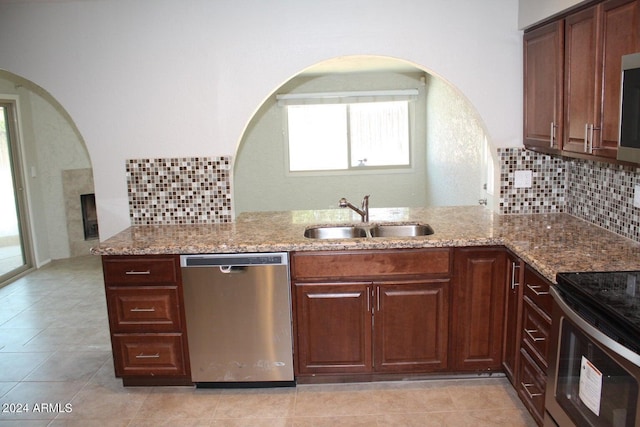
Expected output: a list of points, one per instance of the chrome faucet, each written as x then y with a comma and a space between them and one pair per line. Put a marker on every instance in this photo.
363, 212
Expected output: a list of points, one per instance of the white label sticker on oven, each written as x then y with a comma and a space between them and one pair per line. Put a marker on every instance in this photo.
590, 388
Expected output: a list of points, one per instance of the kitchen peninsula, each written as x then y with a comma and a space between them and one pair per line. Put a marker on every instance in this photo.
445, 303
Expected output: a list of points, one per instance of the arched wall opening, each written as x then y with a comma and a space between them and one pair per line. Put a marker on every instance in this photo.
57, 170
452, 155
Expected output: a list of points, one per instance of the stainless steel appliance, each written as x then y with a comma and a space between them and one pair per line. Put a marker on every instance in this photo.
238, 311
594, 360
629, 141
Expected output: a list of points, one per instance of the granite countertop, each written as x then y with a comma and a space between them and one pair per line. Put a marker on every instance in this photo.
551, 243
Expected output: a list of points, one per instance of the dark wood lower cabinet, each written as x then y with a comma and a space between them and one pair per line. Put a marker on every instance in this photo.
333, 323
535, 329
400, 322
371, 312
355, 328
146, 319
411, 327
478, 309
512, 318
531, 386
377, 313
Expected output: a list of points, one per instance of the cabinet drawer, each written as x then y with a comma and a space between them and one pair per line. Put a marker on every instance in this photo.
536, 328
154, 354
139, 270
136, 309
531, 388
345, 264
537, 290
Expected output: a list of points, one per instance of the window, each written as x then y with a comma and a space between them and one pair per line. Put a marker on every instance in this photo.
355, 134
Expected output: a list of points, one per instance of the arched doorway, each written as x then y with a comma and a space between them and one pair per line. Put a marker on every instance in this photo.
55, 165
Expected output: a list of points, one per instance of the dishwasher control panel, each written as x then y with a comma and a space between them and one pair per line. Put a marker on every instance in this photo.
210, 260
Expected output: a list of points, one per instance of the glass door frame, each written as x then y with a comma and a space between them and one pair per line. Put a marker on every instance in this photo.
11, 107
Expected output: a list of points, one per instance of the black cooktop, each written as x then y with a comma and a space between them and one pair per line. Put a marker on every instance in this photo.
613, 297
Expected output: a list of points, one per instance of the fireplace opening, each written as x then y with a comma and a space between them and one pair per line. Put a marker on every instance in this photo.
89, 216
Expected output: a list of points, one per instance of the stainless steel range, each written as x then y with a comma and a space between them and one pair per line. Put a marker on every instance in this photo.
594, 366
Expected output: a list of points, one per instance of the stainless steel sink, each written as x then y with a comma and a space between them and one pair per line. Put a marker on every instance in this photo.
338, 232
370, 230
401, 230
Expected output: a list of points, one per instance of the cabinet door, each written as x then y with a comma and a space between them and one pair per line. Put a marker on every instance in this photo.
620, 36
478, 309
411, 326
333, 328
543, 87
581, 58
512, 318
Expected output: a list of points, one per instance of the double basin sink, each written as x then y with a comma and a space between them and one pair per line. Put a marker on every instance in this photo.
368, 231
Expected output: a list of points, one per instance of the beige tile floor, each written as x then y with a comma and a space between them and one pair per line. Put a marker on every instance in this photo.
55, 357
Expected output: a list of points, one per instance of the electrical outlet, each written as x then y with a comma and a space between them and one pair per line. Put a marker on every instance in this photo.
523, 179
636, 196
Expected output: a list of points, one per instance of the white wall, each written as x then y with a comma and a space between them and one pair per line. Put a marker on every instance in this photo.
455, 138
531, 12
158, 78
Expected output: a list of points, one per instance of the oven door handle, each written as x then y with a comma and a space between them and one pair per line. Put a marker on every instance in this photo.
598, 336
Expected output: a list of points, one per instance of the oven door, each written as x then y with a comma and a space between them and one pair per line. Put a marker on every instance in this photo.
592, 380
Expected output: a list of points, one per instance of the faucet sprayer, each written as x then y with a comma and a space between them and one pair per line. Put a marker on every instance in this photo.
363, 211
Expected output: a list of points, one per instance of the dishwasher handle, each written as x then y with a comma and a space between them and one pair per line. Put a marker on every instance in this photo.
232, 269
233, 261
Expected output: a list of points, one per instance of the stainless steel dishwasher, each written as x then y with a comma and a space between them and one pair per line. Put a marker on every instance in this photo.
238, 311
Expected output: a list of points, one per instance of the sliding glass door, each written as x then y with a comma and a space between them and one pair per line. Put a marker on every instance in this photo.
14, 249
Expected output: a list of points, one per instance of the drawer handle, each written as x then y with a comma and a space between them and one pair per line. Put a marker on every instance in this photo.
526, 389
143, 310
148, 356
530, 333
534, 289
138, 273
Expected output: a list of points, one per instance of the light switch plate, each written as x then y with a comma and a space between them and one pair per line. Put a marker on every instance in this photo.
523, 179
636, 196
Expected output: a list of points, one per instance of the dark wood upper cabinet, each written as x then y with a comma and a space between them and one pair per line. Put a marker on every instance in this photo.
620, 36
580, 78
572, 79
543, 87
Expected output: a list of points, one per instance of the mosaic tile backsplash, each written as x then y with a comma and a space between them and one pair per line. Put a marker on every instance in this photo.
600, 193
197, 190
547, 192
193, 190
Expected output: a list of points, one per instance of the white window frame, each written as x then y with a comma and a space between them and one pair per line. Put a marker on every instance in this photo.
408, 95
